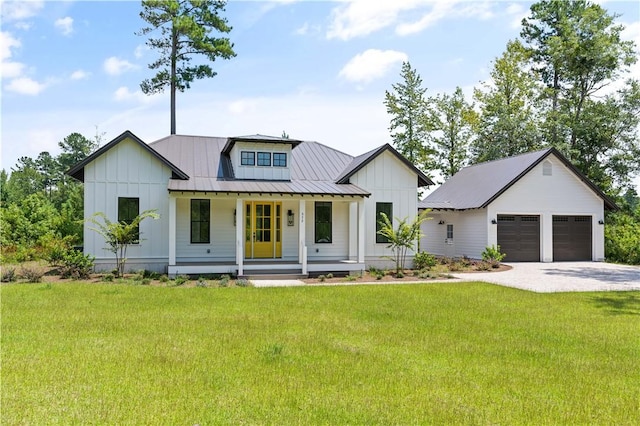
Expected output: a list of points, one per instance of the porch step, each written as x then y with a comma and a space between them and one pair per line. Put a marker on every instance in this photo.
270, 274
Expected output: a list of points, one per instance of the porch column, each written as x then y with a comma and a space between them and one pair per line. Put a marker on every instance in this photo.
172, 230
239, 239
361, 231
302, 246
353, 230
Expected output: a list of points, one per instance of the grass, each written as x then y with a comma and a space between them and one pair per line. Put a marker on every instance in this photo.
404, 354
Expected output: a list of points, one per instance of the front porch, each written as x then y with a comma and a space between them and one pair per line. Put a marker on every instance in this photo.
270, 236
270, 268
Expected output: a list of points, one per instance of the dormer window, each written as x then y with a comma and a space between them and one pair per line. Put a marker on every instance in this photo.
279, 159
264, 159
248, 158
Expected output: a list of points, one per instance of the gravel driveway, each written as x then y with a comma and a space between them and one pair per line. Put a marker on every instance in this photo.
563, 276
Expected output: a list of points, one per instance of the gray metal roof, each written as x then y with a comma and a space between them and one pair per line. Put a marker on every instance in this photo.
314, 168
259, 138
478, 185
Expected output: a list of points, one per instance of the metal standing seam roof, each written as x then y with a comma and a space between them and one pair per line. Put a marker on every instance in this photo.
478, 185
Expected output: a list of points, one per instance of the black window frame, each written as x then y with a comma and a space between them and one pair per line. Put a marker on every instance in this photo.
450, 231
381, 239
128, 210
245, 157
204, 218
321, 239
260, 162
279, 159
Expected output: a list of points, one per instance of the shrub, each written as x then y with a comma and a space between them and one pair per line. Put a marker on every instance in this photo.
424, 260
32, 274
242, 283
181, 279
484, 266
399, 274
322, 278
108, 277
493, 256
76, 265
224, 280
164, 278
25, 254
329, 275
455, 266
202, 283
8, 275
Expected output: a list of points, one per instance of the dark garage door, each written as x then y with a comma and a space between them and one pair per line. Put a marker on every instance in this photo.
571, 238
519, 238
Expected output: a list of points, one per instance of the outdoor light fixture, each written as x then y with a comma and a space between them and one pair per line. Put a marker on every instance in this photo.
441, 222
601, 222
290, 217
494, 222
234, 217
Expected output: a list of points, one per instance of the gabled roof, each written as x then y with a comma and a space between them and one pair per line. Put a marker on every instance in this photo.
478, 185
77, 171
259, 138
362, 160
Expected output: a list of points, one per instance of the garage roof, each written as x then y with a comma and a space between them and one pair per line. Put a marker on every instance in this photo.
478, 185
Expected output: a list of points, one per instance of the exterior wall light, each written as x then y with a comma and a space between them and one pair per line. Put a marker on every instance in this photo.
290, 217
494, 222
441, 222
601, 222
234, 217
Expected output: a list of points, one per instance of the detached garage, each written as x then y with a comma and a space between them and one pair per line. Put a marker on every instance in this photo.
537, 206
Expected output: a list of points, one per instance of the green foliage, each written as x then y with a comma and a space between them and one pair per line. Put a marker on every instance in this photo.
424, 260
224, 281
186, 29
108, 277
76, 265
322, 278
622, 238
119, 235
493, 255
409, 126
242, 283
402, 238
180, 279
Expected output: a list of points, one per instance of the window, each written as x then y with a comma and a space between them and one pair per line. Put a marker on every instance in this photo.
449, 232
547, 168
128, 210
279, 159
247, 158
200, 221
386, 208
323, 222
264, 159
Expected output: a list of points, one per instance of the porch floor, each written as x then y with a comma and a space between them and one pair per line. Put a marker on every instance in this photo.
267, 268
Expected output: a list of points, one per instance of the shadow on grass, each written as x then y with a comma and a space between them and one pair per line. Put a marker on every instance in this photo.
621, 303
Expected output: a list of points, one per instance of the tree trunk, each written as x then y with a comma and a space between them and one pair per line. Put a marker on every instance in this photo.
174, 47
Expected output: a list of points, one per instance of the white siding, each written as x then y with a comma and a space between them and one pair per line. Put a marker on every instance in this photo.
561, 193
390, 181
128, 170
260, 172
338, 249
469, 233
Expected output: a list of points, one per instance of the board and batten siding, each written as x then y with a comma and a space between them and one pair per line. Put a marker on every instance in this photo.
128, 170
261, 172
338, 249
561, 193
388, 180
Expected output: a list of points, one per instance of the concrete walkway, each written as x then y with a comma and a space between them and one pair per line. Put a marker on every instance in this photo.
563, 277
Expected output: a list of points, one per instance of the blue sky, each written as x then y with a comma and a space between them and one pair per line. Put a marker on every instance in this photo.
315, 69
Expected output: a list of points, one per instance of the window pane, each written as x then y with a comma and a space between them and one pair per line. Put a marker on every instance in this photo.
247, 158
264, 159
128, 210
280, 159
387, 209
323, 225
200, 221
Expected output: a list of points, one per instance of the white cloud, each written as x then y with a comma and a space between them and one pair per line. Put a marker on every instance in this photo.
243, 106
20, 10
65, 25
371, 64
9, 69
517, 13
304, 29
139, 51
80, 75
442, 9
117, 66
123, 94
25, 86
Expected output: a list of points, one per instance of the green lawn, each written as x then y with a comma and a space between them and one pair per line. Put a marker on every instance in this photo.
401, 354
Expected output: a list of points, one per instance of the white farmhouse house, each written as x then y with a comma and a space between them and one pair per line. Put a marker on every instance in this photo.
246, 205
535, 206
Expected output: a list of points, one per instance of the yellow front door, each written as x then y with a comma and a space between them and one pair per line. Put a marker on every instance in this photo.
263, 230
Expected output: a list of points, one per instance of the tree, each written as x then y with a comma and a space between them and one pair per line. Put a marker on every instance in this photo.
185, 30
507, 123
577, 51
409, 127
119, 235
403, 238
75, 148
452, 119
